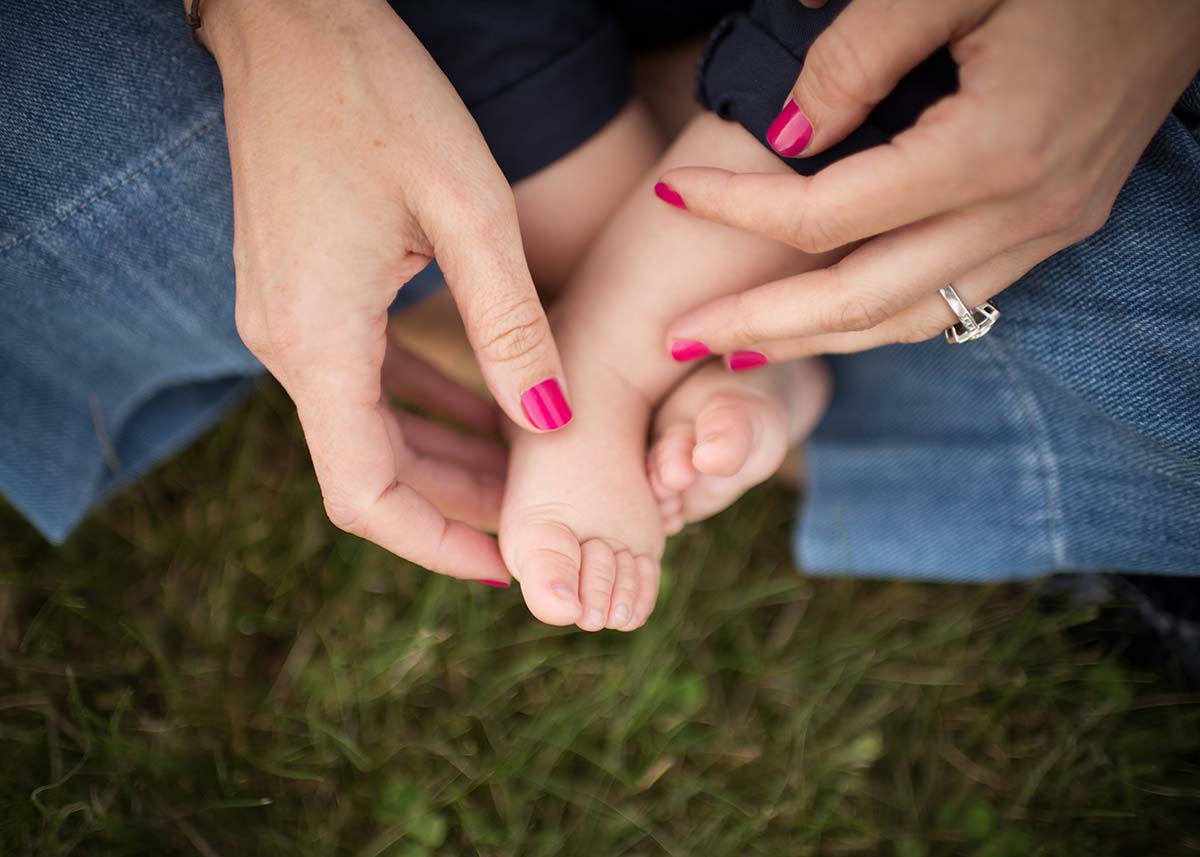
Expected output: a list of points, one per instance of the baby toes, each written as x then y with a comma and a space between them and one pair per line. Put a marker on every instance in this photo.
546, 560
726, 429
598, 571
648, 575
672, 457
624, 591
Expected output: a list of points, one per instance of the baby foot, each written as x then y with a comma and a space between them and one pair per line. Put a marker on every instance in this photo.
721, 433
579, 526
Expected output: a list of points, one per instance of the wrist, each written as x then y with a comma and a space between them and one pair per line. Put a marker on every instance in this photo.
230, 29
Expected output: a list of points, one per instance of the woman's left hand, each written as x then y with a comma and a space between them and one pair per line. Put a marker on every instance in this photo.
1057, 101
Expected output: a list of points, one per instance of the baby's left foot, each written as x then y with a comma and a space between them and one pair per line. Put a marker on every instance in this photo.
721, 433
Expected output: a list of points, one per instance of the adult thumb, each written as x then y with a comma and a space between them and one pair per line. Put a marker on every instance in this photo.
481, 254
857, 61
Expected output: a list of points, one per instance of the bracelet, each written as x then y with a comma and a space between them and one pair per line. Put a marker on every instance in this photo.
193, 21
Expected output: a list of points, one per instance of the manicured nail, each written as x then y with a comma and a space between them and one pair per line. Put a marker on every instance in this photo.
740, 361
546, 406
790, 132
687, 350
499, 584
564, 592
620, 615
669, 195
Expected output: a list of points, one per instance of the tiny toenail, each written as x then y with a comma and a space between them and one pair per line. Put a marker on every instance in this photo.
620, 615
594, 617
563, 591
499, 584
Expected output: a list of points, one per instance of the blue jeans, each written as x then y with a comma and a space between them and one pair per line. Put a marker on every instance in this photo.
1069, 439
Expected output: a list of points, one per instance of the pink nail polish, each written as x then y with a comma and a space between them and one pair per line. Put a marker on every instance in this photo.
687, 350
790, 132
740, 361
669, 195
546, 406
499, 584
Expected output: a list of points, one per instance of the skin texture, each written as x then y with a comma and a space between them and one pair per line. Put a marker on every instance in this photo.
342, 192
718, 434
580, 526
1058, 99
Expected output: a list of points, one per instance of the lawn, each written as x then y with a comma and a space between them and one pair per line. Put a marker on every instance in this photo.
209, 668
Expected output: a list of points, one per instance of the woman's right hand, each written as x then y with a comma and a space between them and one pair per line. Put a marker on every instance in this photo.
354, 163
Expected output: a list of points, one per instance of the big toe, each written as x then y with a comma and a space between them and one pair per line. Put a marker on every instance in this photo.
546, 559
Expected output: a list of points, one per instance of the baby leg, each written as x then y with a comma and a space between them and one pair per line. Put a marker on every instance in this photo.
580, 526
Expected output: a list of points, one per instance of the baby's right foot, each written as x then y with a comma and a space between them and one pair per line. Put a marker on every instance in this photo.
721, 433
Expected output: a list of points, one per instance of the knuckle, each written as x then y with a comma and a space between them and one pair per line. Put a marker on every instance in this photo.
841, 72
922, 329
858, 312
495, 204
746, 320
1002, 176
512, 331
268, 321
1000, 161
249, 329
1090, 221
1065, 209
812, 232
487, 204
346, 514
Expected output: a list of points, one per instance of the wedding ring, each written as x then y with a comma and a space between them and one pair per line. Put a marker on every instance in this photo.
972, 324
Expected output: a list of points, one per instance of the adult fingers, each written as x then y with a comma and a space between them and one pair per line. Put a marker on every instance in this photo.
869, 286
437, 441
445, 473
929, 317
479, 249
929, 169
360, 459
857, 61
415, 382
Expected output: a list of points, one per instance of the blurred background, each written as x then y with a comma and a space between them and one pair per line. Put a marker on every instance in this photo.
208, 667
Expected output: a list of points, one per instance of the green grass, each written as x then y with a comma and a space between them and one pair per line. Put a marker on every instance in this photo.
209, 668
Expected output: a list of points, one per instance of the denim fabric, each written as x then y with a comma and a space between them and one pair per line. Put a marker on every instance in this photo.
1068, 439
116, 224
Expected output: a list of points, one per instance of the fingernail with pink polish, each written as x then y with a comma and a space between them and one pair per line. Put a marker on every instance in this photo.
499, 584
669, 195
546, 406
687, 350
740, 361
790, 132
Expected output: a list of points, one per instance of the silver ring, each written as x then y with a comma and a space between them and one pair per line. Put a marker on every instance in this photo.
972, 324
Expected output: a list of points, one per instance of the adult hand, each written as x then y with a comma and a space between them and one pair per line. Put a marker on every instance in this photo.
354, 163
1057, 100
